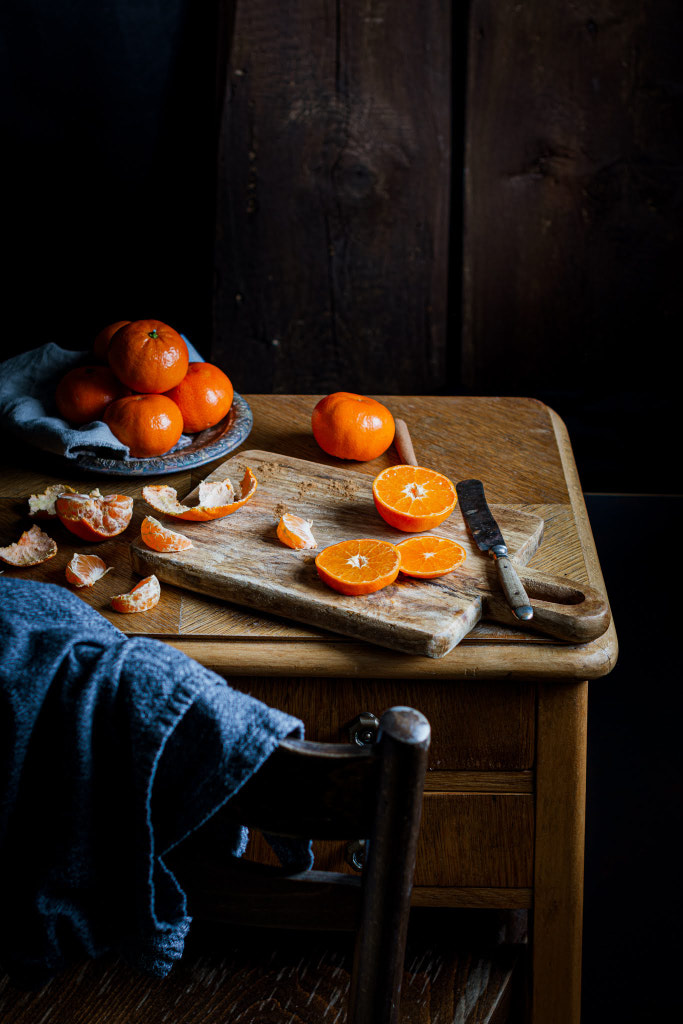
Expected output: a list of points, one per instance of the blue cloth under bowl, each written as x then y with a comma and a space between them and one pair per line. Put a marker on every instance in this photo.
112, 750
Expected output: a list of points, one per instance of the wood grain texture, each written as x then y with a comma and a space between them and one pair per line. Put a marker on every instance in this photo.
477, 726
324, 106
239, 559
461, 970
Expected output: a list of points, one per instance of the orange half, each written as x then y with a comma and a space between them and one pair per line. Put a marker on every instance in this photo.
216, 500
85, 570
95, 516
413, 499
358, 566
32, 548
430, 557
141, 598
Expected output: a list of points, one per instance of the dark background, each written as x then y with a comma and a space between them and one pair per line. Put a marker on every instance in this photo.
401, 198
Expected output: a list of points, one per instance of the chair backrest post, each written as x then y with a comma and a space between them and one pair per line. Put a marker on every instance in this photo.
403, 740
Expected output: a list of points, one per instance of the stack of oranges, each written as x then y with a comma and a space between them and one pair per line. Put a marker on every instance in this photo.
149, 393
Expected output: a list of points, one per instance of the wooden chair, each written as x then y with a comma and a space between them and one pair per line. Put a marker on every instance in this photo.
329, 791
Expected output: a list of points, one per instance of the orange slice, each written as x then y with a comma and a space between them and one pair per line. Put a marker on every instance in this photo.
32, 548
42, 506
85, 570
216, 500
413, 499
358, 566
95, 516
141, 598
160, 538
429, 557
296, 532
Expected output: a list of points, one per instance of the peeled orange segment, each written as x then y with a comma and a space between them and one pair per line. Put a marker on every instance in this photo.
358, 566
141, 598
160, 538
95, 516
413, 499
429, 557
42, 506
86, 570
216, 500
32, 548
296, 532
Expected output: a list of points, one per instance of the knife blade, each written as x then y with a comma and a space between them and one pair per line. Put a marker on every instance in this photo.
488, 538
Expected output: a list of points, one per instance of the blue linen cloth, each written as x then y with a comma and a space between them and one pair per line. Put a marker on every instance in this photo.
27, 406
112, 750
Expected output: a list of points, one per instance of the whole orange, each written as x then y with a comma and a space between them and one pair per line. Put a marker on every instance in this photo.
101, 343
351, 426
83, 394
148, 356
148, 424
203, 396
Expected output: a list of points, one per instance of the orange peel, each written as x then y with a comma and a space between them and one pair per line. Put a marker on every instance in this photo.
42, 506
216, 500
32, 548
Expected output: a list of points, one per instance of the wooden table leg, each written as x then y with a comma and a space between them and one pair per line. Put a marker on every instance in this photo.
559, 853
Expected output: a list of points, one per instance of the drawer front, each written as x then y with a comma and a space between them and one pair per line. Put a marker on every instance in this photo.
466, 839
478, 726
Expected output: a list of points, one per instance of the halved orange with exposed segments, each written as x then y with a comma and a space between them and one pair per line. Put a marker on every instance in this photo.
296, 532
141, 598
42, 506
413, 499
216, 500
86, 570
160, 538
32, 548
95, 516
358, 566
429, 557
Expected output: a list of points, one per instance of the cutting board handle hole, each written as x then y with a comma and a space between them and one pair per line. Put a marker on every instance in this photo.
557, 593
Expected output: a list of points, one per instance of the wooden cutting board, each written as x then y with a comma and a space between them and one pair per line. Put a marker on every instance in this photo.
240, 559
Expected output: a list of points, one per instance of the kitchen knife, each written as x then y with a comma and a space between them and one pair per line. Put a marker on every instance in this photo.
487, 536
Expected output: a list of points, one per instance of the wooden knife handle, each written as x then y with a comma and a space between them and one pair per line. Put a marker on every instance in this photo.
513, 587
404, 444
564, 609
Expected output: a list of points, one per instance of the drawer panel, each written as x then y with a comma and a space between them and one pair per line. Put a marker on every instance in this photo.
466, 839
484, 726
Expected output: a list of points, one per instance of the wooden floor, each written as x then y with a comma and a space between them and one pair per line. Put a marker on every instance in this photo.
458, 971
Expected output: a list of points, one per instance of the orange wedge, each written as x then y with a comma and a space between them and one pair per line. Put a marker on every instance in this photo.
358, 566
42, 506
141, 598
413, 499
95, 516
216, 500
295, 532
85, 570
429, 557
32, 548
160, 538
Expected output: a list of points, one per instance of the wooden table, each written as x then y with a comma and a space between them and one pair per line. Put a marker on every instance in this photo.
503, 822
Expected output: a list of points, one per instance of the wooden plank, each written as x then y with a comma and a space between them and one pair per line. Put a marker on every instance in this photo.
478, 728
333, 197
559, 852
474, 897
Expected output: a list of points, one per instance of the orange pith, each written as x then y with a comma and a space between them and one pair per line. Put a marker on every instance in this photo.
141, 598
295, 532
358, 566
413, 499
95, 516
42, 506
216, 500
85, 570
430, 557
32, 548
160, 538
